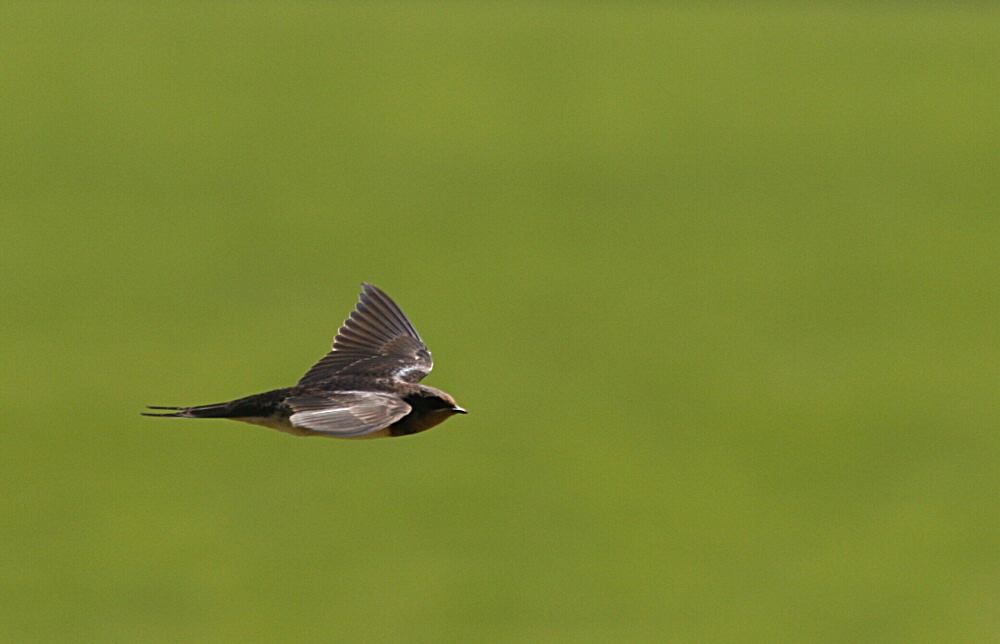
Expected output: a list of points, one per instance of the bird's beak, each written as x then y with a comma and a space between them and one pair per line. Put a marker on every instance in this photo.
458, 410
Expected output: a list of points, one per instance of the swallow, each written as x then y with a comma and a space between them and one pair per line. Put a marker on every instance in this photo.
366, 387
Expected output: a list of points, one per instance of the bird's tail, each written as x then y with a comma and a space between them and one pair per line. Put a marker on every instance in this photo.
219, 410
258, 405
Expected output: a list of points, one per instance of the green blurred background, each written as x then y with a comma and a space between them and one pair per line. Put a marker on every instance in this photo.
718, 285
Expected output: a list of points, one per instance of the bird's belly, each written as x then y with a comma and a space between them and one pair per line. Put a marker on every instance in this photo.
276, 422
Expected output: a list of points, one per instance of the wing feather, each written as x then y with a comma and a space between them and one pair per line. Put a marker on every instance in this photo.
377, 340
346, 414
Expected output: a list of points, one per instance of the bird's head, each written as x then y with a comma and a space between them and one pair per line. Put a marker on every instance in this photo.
440, 402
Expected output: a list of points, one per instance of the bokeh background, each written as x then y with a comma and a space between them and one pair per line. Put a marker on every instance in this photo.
717, 283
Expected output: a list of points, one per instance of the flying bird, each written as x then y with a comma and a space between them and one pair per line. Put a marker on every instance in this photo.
366, 387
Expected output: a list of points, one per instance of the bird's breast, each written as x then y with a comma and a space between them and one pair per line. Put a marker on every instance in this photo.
419, 421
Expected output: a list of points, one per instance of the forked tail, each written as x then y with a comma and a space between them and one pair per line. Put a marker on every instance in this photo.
220, 410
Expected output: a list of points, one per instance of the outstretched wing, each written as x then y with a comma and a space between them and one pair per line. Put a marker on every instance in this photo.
346, 414
376, 340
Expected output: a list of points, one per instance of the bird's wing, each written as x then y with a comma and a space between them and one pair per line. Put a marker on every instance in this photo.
376, 340
346, 414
